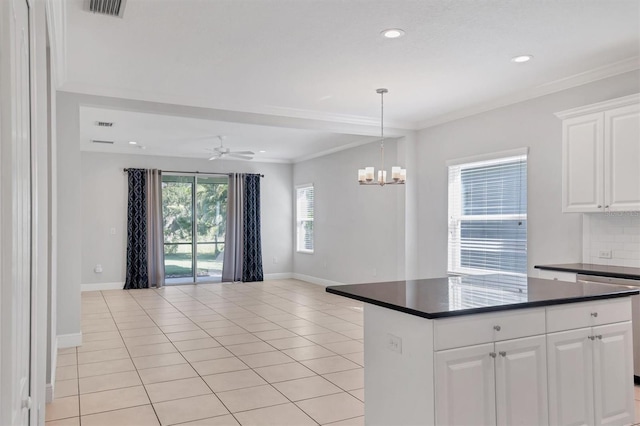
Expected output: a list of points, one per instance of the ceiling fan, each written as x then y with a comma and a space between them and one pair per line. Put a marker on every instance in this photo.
222, 152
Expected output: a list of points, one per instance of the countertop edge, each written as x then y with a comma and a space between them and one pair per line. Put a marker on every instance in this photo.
473, 311
588, 272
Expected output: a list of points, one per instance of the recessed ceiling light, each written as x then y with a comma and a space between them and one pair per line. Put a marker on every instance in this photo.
393, 33
521, 59
133, 143
263, 151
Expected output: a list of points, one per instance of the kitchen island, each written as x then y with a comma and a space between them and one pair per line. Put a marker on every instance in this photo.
496, 349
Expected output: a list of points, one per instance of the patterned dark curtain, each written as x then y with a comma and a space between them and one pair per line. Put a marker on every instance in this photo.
243, 244
252, 250
137, 273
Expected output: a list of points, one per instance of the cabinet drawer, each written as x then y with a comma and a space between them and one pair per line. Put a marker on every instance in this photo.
578, 315
485, 328
557, 275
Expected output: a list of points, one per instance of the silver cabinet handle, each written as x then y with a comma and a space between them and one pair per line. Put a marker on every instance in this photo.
591, 337
606, 207
492, 354
594, 314
496, 327
599, 337
503, 353
599, 206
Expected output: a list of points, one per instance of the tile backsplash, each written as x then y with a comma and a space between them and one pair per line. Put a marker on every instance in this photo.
614, 233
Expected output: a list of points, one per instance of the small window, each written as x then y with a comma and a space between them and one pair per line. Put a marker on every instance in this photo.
304, 218
488, 216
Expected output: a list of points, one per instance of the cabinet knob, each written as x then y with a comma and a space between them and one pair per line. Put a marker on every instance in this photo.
496, 327
599, 206
606, 207
492, 354
594, 314
591, 337
503, 353
599, 337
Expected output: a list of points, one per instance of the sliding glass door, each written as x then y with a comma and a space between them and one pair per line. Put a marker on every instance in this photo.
194, 210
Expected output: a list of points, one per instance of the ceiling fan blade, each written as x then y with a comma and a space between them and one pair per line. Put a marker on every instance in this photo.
215, 157
243, 152
240, 157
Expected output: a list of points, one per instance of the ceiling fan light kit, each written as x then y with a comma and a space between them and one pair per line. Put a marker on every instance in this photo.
398, 174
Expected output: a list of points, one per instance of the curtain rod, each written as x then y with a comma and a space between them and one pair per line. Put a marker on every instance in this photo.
197, 173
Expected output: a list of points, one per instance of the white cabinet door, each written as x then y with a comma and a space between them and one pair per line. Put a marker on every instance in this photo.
613, 374
465, 386
570, 377
582, 168
521, 382
622, 158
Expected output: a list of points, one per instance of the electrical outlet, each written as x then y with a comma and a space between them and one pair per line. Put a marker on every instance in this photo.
604, 254
98, 269
394, 343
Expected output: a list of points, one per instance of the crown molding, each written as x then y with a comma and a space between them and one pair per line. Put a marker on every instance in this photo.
620, 67
600, 106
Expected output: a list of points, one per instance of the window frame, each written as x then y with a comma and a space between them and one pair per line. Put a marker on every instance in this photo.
454, 254
299, 221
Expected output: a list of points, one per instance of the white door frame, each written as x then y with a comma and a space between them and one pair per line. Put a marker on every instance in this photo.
39, 226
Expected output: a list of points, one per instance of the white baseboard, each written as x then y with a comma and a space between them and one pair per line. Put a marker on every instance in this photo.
69, 340
279, 276
48, 393
315, 280
101, 286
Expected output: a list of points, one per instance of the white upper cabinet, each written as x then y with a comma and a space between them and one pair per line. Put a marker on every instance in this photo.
622, 158
601, 156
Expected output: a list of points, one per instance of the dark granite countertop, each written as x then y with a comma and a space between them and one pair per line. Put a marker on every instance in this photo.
453, 296
593, 269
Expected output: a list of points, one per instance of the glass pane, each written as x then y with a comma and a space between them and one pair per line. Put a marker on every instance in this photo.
177, 212
210, 257
211, 200
178, 261
499, 245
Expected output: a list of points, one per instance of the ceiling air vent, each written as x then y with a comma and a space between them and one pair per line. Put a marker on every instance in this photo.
105, 142
104, 123
107, 7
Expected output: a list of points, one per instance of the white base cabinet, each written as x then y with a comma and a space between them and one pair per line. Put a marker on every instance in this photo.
469, 374
503, 383
560, 365
590, 372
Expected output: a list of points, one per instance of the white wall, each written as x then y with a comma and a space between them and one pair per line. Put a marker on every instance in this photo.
553, 237
358, 230
69, 216
104, 206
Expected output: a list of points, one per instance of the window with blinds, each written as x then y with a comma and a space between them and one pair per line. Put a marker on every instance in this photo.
488, 216
304, 218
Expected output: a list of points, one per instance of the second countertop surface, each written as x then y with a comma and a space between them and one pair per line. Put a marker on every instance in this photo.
609, 271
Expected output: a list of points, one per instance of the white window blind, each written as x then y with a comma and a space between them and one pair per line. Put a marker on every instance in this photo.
304, 218
488, 216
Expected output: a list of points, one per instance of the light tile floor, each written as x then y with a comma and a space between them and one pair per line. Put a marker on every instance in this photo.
274, 353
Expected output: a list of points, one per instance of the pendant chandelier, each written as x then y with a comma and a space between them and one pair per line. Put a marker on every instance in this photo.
398, 174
